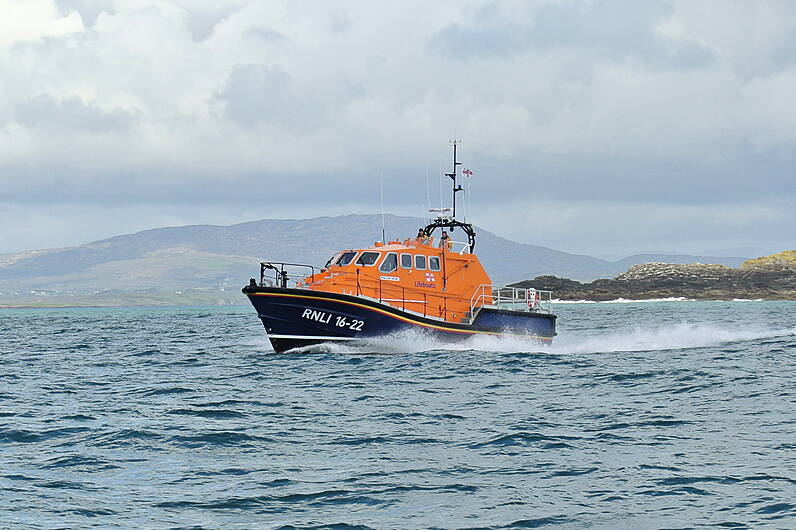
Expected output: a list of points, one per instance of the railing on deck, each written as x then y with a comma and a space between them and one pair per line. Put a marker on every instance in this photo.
294, 275
283, 274
511, 299
460, 247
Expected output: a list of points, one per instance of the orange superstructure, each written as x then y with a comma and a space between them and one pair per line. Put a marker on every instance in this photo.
412, 275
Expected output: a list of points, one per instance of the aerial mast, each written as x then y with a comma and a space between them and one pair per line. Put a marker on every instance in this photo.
453, 175
451, 223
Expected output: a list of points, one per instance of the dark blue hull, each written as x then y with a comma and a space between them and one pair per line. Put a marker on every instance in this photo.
297, 317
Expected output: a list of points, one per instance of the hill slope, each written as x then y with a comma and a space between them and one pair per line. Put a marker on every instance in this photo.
214, 257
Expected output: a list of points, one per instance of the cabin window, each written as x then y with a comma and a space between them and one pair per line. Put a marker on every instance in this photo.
420, 262
433, 263
390, 262
345, 258
406, 261
368, 258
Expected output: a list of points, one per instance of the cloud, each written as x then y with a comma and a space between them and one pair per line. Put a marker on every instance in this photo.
604, 30
235, 103
264, 33
71, 114
202, 21
256, 93
88, 10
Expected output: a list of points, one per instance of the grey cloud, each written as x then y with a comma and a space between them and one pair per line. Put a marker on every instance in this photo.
258, 94
340, 23
609, 29
254, 93
264, 33
89, 10
202, 21
486, 34
44, 111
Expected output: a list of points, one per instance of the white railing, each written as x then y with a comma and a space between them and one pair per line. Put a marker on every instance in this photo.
465, 247
510, 299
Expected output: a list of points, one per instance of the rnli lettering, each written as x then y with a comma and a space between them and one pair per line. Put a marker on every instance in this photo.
339, 321
317, 316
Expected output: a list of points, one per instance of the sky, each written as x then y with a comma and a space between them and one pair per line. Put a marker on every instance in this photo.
599, 127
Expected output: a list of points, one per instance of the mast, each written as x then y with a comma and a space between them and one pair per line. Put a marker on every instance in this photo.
443, 221
381, 183
453, 175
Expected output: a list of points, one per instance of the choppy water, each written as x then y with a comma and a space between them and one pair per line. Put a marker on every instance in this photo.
648, 415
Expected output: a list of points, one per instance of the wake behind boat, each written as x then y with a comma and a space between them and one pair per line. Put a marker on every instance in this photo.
440, 290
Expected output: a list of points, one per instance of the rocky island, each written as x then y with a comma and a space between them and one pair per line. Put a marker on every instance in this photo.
770, 278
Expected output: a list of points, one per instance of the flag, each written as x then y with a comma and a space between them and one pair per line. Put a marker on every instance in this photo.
467, 172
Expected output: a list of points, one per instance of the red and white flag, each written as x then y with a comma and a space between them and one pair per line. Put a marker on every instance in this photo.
467, 172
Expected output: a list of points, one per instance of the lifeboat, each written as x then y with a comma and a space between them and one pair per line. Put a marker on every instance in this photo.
429, 283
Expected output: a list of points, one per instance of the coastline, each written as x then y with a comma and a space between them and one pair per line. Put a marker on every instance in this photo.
755, 280
679, 299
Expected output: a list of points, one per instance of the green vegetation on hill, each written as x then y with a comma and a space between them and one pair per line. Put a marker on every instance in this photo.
212, 258
784, 259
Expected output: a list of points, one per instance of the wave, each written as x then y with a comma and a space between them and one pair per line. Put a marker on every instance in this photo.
629, 301
669, 337
748, 300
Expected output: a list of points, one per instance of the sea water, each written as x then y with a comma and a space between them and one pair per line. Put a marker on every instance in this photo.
640, 415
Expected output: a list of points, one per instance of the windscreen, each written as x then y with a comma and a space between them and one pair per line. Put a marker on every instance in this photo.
345, 258
368, 258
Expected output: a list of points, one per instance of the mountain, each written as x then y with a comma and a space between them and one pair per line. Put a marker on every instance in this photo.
209, 257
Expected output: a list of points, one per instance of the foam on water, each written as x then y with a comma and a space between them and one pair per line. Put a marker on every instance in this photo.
625, 300
671, 337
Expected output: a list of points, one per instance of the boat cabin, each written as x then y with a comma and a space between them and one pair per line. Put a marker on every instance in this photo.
413, 275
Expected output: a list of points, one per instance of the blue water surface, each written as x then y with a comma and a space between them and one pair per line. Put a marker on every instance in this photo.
642, 415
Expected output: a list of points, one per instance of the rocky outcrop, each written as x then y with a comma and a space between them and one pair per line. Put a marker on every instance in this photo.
781, 260
771, 277
671, 272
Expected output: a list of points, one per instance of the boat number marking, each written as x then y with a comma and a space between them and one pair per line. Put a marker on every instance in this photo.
325, 318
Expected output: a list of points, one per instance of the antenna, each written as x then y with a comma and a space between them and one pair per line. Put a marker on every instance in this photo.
454, 174
439, 181
470, 193
428, 199
381, 182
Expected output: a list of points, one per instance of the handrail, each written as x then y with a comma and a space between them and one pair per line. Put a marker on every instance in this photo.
465, 247
281, 276
507, 298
